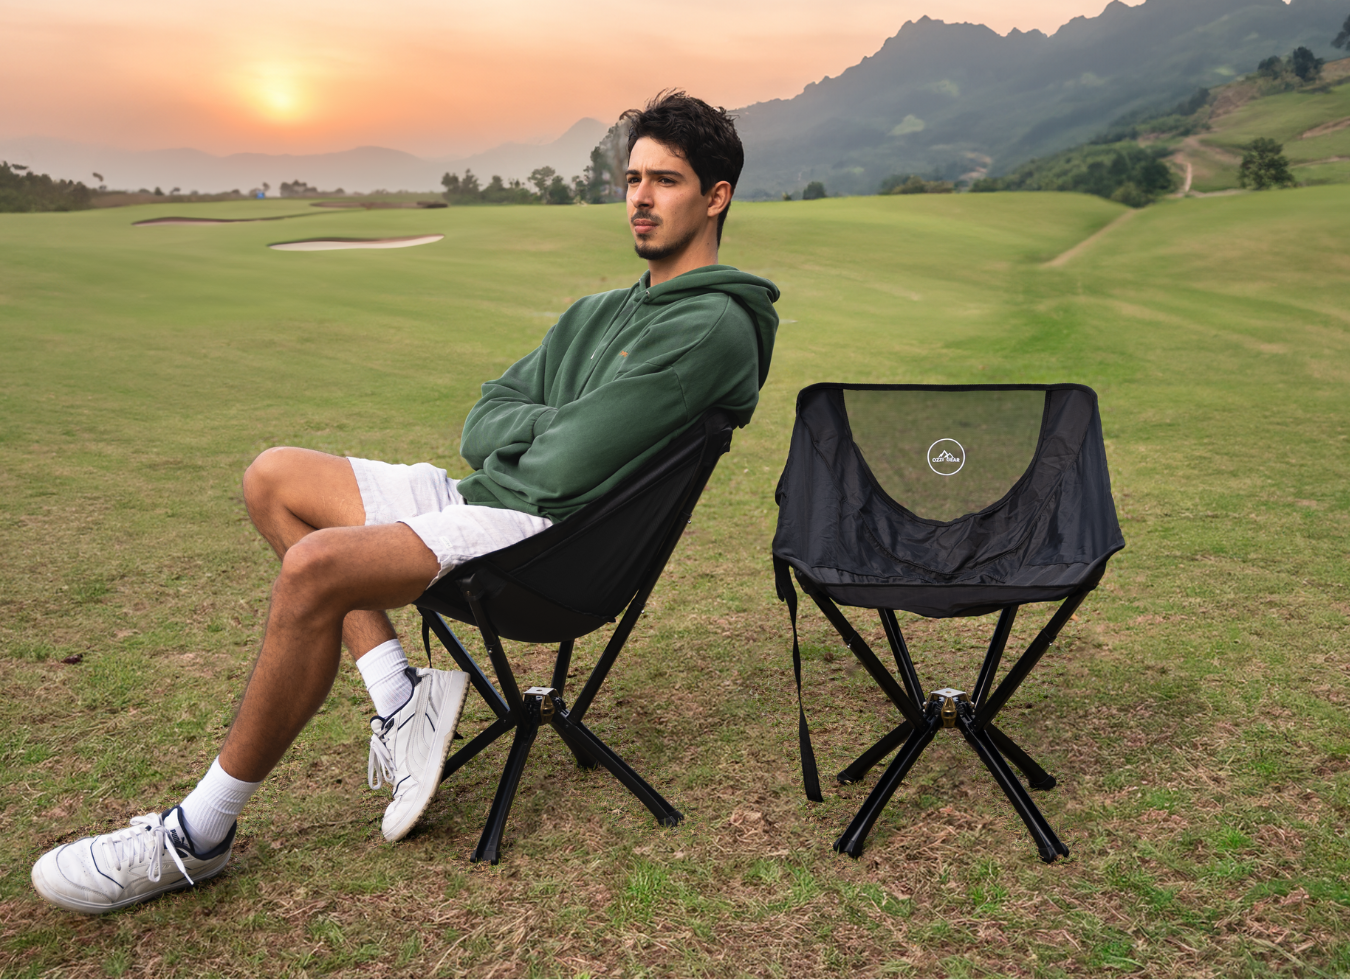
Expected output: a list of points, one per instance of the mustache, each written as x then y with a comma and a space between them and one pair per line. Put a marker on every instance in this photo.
641, 215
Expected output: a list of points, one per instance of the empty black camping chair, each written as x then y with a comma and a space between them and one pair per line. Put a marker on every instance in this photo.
559, 585
943, 500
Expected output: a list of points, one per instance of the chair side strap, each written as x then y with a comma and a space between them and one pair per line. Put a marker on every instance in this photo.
787, 592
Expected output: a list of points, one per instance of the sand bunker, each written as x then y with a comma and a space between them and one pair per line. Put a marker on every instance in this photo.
327, 244
214, 221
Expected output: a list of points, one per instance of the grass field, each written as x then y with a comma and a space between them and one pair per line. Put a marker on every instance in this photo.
1195, 713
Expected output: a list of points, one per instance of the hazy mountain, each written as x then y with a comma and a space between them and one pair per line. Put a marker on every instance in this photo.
952, 98
362, 169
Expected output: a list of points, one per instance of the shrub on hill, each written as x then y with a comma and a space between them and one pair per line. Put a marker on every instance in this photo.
23, 190
1276, 74
914, 184
814, 191
1125, 172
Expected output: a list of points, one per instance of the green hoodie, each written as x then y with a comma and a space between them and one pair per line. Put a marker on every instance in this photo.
616, 379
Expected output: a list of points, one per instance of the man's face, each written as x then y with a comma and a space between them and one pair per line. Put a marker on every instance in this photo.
666, 209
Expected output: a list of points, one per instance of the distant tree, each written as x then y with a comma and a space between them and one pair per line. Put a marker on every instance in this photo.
579, 188
914, 184
609, 159
1272, 67
541, 177
557, 191
461, 190
158, 192
1306, 65
174, 191
497, 192
1264, 165
787, 195
1343, 38
986, 185
814, 191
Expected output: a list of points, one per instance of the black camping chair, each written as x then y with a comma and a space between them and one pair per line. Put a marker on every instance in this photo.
562, 584
943, 500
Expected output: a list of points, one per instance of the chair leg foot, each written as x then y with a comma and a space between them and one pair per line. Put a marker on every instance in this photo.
1048, 783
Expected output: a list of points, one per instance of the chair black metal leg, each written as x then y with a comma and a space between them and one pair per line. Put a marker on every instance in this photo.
437, 624
477, 744
907, 705
561, 666
489, 845
858, 768
994, 654
903, 662
1037, 778
1047, 842
575, 732
851, 842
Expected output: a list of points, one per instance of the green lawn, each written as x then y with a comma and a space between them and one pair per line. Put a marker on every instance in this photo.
1195, 713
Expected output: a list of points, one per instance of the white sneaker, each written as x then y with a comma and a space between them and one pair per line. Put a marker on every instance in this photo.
409, 747
112, 871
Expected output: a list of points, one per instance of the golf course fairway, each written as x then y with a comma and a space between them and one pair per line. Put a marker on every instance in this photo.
1194, 712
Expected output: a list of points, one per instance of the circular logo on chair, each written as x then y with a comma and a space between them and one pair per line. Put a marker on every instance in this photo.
946, 457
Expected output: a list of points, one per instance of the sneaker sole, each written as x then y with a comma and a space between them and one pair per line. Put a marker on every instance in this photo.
431, 773
91, 908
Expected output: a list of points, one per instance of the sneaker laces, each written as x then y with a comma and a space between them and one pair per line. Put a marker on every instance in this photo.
380, 753
145, 840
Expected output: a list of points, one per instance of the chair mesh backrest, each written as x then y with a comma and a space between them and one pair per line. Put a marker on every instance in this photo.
944, 454
594, 561
947, 500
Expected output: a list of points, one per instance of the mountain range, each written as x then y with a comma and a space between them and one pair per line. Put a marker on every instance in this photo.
940, 100
944, 99
365, 168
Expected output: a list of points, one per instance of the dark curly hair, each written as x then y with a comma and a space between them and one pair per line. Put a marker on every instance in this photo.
704, 136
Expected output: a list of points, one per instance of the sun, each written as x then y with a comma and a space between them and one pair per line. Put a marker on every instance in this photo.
277, 94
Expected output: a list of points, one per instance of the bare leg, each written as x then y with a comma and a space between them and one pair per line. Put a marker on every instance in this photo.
326, 577
290, 493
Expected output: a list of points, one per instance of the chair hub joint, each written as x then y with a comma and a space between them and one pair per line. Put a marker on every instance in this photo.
946, 698
543, 698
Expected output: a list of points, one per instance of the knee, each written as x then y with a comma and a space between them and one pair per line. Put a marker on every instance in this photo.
310, 566
265, 476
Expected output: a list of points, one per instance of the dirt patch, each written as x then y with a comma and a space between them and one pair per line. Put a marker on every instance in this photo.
1231, 98
329, 244
1322, 130
1082, 246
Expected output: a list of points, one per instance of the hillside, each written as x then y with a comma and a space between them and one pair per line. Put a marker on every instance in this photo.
953, 99
1313, 125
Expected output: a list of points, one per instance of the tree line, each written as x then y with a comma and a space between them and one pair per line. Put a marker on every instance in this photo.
548, 188
23, 190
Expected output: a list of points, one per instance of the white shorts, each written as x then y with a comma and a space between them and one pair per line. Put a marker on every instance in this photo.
424, 498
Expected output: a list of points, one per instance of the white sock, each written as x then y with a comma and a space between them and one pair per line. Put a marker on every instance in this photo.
382, 670
211, 809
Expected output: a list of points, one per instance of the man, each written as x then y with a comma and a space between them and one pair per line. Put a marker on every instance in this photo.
615, 380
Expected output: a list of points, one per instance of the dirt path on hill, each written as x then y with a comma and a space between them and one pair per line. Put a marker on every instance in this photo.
1082, 246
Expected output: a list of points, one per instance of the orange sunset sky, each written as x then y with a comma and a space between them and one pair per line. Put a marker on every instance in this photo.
433, 77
